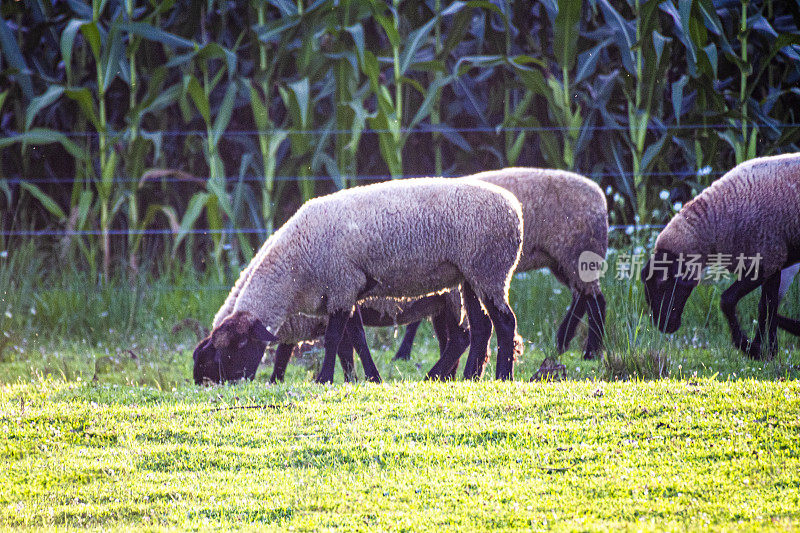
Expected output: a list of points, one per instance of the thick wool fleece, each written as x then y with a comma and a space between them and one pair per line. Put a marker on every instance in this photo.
398, 239
753, 209
565, 215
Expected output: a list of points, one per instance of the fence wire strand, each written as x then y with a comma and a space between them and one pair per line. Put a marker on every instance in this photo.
253, 178
443, 130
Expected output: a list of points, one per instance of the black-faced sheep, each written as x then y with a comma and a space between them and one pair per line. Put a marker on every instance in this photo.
444, 309
397, 239
565, 215
750, 217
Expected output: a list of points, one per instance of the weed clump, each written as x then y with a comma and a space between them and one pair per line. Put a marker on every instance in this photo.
640, 364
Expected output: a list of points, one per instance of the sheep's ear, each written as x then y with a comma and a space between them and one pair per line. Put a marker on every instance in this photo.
259, 332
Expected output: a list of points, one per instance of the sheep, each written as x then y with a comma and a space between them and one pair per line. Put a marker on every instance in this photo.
748, 219
565, 215
397, 239
445, 310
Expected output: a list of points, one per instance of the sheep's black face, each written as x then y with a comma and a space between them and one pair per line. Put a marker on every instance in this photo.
206, 365
665, 291
233, 351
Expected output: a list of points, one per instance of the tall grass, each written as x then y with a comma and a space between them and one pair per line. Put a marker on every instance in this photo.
50, 314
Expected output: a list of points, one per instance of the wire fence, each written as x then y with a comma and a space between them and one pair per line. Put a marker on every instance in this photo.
253, 178
443, 130
174, 176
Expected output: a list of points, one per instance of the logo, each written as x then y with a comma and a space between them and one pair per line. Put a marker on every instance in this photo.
591, 266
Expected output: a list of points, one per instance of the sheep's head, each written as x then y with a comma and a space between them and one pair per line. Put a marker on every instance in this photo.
666, 289
232, 351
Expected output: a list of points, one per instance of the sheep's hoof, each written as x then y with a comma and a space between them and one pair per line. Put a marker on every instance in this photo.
550, 370
753, 351
402, 355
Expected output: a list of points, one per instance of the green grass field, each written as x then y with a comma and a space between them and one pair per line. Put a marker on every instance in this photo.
652, 455
101, 426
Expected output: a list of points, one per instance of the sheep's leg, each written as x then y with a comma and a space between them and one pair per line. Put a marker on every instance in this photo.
727, 303
505, 324
767, 322
457, 342
566, 331
789, 325
404, 352
451, 374
447, 364
333, 336
480, 331
282, 355
355, 330
440, 325
346, 358
596, 321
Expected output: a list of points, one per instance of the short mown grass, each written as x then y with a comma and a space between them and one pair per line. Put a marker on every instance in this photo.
585, 455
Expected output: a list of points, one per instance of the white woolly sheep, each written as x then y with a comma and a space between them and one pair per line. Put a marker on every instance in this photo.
565, 215
397, 239
750, 217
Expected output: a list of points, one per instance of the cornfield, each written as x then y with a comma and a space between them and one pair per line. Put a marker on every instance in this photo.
139, 135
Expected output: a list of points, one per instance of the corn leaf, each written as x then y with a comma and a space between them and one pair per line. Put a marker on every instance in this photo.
11, 51
40, 102
565, 40
52, 207
223, 114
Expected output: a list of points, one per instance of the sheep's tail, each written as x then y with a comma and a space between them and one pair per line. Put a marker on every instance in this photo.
230, 301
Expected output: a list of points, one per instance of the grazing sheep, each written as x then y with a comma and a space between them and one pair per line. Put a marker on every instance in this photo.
749, 217
565, 216
444, 309
397, 239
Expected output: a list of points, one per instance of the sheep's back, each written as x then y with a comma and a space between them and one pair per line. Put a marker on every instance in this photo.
412, 237
564, 215
753, 209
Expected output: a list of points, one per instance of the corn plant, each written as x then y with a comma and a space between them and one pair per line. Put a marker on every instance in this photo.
271, 43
